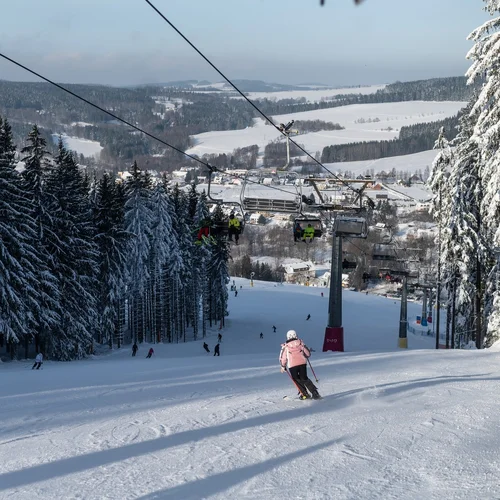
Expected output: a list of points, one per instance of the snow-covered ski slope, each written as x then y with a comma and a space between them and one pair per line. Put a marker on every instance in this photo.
393, 424
361, 122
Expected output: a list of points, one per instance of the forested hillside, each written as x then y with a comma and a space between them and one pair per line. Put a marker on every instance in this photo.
171, 113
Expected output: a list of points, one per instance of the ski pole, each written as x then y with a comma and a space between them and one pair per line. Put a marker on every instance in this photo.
312, 369
296, 385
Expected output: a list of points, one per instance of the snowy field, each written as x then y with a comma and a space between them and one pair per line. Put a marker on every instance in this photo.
83, 147
359, 120
405, 163
184, 425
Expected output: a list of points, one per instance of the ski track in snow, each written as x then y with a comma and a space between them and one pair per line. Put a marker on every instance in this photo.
392, 424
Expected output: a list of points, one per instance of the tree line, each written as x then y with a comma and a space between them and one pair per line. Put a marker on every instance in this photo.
92, 260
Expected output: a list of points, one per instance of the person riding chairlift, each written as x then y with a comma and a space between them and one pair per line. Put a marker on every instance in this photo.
234, 228
204, 232
297, 231
308, 233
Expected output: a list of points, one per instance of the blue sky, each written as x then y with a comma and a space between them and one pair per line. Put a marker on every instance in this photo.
123, 42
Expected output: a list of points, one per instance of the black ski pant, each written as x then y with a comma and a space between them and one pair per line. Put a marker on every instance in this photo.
37, 365
148, 356
216, 353
299, 375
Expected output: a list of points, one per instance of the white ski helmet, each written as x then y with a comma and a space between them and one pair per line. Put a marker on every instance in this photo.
291, 335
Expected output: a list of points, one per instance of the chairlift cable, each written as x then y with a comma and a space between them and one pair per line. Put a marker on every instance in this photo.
135, 127
357, 191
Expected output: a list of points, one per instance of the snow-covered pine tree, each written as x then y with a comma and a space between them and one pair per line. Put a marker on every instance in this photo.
200, 278
36, 169
180, 270
466, 248
138, 221
219, 274
485, 114
163, 249
112, 241
74, 251
18, 256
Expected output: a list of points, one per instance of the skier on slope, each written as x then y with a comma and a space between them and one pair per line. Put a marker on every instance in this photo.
38, 361
134, 349
217, 350
150, 352
294, 354
205, 346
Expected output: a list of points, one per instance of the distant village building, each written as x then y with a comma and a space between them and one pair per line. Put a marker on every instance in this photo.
299, 272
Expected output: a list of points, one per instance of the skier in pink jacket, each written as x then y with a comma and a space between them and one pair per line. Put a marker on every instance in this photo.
294, 354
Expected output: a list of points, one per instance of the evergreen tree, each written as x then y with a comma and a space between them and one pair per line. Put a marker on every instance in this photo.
485, 138
37, 168
112, 241
18, 256
138, 222
74, 262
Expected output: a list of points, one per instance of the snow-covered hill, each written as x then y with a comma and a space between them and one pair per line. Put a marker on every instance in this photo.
361, 122
402, 424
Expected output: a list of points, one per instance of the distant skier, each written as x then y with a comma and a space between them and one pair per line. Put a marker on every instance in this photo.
274, 329
150, 352
308, 317
236, 293
134, 349
261, 335
217, 350
322, 294
219, 337
294, 354
205, 346
38, 361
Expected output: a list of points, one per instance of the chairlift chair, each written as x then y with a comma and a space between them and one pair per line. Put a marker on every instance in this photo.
306, 221
221, 227
352, 227
384, 252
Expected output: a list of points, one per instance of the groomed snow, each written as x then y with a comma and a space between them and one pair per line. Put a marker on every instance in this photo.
393, 424
393, 115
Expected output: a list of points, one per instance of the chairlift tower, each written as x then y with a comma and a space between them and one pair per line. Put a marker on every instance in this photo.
353, 227
287, 130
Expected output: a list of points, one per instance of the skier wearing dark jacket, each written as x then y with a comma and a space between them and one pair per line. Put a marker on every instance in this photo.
294, 354
205, 346
217, 350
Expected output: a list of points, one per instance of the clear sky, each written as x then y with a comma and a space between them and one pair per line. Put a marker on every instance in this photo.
123, 42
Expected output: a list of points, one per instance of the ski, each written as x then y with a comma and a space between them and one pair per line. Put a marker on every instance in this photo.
301, 398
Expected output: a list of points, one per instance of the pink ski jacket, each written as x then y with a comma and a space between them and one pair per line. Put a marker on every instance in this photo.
294, 353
